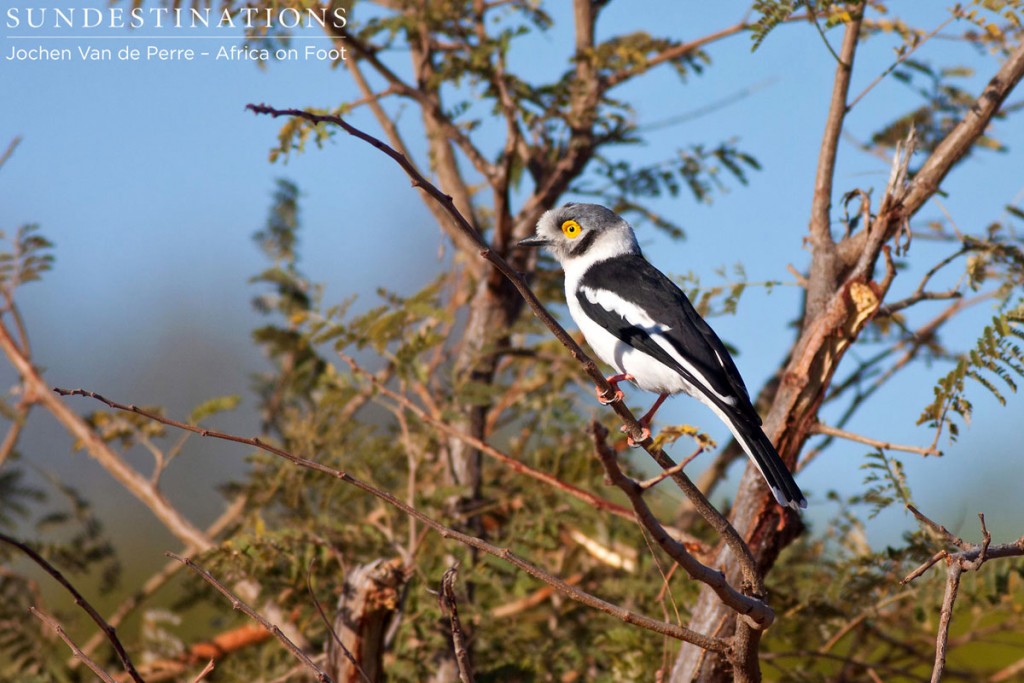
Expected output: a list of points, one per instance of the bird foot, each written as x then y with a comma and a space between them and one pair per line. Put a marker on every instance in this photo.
614, 381
646, 434
608, 401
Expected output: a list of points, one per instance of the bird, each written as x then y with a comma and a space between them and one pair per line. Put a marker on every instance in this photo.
640, 323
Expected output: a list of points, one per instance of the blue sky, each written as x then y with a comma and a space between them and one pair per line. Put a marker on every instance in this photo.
151, 178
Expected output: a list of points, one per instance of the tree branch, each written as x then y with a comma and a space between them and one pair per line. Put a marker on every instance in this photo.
621, 613
79, 655
918, 42
821, 428
240, 605
446, 598
759, 613
824, 265
108, 630
130, 479
969, 557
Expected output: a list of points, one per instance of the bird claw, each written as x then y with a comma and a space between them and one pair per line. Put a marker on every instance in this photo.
644, 435
614, 382
608, 401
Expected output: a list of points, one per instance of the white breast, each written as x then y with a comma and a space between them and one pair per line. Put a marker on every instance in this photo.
650, 374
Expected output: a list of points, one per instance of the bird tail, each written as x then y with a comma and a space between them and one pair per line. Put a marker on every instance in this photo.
761, 451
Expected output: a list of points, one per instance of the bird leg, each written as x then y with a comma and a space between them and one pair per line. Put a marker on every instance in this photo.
645, 422
614, 381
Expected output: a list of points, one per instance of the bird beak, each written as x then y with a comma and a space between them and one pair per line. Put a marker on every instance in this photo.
535, 241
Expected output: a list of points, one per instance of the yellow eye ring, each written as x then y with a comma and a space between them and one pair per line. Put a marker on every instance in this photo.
571, 229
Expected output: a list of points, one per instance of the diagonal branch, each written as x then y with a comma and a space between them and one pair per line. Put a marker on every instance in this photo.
108, 630
238, 604
754, 608
960, 140
79, 655
632, 427
128, 477
628, 616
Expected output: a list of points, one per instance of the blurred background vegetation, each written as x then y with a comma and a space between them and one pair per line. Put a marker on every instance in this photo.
458, 76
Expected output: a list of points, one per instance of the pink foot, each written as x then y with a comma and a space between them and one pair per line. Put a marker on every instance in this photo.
614, 381
643, 437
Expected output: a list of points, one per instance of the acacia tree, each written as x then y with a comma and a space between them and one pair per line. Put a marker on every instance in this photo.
481, 433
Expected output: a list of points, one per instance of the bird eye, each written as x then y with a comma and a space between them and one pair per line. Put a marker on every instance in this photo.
571, 229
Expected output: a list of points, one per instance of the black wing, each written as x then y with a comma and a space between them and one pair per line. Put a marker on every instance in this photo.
711, 368
643, 285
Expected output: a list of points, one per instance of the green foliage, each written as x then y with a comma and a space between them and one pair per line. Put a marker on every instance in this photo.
698, 169
945, 103
16, 496
72, 538
996, 363
27, 260
843, 613
886, 482
333, 416
850, 613
772, 14
27, 652
218, 404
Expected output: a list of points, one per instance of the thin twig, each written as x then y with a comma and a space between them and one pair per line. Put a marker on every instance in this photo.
751, 606
970, 557
925, 566
1008, 673
107, 629
621, 613
632, 427
158, 580
812, 14
665, 474
11, 146
919, 41
953, 573
14, 431
821, 428
238, 604
446, 598
202, 674
920, 294
330, 628
942, 531
55, 625
484, 447
860, 618
529, 601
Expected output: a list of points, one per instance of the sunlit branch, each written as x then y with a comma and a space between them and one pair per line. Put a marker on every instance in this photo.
633, 428
628, 616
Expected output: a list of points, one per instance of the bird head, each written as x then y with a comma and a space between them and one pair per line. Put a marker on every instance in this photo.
590, 232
